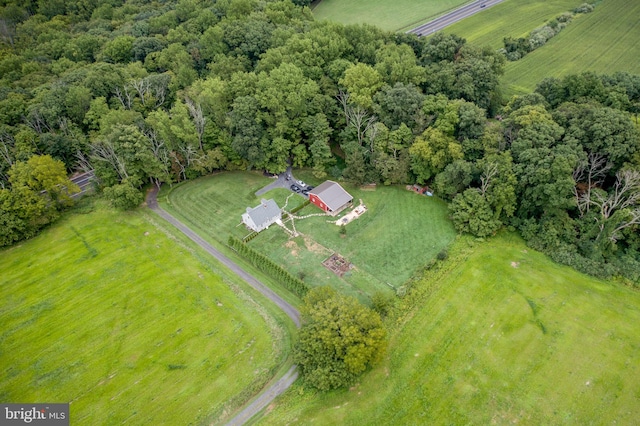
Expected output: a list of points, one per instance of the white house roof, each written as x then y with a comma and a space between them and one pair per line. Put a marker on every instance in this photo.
263, 213
332, 194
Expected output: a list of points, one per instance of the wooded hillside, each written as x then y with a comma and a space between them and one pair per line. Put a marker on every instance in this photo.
150, 91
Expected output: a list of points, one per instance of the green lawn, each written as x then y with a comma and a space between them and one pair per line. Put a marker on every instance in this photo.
604, 41
400, 232
130, 325
498, 334
391, 16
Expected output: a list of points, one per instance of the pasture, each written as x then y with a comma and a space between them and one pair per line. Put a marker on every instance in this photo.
400, 232
390, 16
496, 334
129, 324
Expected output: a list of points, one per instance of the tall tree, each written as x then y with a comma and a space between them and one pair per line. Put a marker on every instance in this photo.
339, 339
432, 152
362, 82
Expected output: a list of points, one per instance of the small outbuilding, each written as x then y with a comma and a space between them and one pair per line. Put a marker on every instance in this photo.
262, 216
330, 197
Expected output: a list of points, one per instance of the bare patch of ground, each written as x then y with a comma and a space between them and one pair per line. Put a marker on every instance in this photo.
291, 245
314, 247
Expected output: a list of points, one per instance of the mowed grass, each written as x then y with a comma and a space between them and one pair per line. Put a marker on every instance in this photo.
105, 311
511, 18
400, 232
391, 16
605, 41
498, 334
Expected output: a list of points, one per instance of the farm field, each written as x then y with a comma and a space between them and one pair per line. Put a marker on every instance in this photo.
130, 325
400, 232
604, 41
497, 334
391, 16
511, 18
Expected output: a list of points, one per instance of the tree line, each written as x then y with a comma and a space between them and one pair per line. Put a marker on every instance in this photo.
160, 92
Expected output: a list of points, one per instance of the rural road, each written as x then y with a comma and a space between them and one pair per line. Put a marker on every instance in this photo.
453, 17
281, 385
84, 181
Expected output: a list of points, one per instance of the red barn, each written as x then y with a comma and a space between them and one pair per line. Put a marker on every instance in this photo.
330, 197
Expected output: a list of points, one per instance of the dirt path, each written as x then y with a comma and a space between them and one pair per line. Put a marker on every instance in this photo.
265, 398
269, 394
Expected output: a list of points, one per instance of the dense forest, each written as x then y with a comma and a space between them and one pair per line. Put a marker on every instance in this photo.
163, 91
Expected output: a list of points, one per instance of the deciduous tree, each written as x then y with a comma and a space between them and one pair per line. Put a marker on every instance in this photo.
339, 339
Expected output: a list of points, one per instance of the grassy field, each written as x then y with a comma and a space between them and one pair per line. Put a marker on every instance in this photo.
391, 16
129, 324
399, 233
511, 18
604, 41
497, 334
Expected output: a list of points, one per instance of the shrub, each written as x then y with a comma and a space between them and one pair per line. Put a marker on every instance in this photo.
443, 255
123, 196
584, 8
381, 303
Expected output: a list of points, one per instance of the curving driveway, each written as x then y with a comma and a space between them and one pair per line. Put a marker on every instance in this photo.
269, 394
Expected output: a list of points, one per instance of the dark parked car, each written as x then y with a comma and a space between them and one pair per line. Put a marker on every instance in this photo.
309, 188
295, 188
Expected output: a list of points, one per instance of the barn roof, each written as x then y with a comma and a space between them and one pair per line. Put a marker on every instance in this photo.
264, 212
332, 194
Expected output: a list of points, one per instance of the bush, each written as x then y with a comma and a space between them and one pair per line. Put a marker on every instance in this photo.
123, 196
584, 8
381, 303
565, 17
443, 255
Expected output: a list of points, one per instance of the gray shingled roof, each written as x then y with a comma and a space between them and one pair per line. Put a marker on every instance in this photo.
264, 212
332, 194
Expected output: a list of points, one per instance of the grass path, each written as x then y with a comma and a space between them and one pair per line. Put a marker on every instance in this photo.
497, 334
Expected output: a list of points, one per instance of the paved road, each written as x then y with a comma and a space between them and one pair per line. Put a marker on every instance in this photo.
84, 181
281, 385
453, 17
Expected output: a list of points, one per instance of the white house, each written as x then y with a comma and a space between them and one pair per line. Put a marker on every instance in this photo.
262, 216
